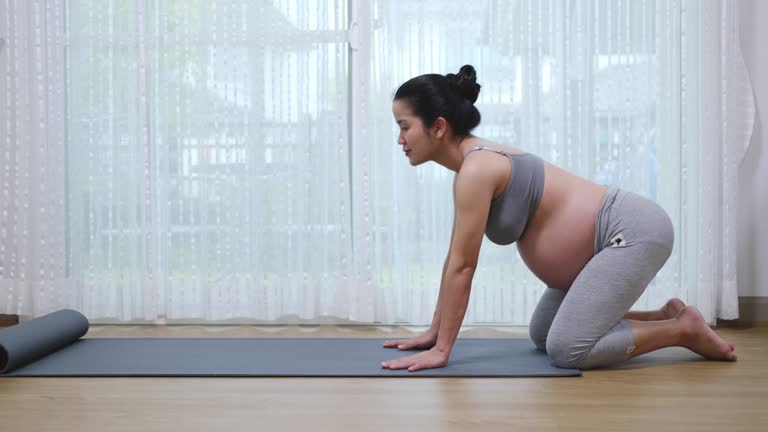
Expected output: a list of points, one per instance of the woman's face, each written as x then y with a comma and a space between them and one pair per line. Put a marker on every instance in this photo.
414, 138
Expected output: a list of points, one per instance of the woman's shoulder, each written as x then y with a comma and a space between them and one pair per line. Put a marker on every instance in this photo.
492, 147
487, 164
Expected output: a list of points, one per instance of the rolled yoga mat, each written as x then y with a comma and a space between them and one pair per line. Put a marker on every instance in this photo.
51, 346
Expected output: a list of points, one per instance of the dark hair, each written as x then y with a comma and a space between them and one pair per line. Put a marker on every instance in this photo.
449, 96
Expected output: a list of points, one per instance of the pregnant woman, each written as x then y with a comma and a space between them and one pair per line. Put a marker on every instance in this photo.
595, 247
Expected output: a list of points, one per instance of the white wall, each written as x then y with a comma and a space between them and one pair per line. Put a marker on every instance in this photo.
753, 178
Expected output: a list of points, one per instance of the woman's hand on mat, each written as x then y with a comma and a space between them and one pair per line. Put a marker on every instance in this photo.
425, 340
423, 360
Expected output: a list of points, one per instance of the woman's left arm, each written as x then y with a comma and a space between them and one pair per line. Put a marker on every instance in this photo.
472, 201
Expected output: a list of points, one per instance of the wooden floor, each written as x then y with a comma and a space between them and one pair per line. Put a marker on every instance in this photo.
671, 390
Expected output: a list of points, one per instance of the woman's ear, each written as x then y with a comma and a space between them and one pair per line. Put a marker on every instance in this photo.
439, 127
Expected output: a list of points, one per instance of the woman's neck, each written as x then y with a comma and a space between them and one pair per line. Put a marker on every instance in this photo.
455, 149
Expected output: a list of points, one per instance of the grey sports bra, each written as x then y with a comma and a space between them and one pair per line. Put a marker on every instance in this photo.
512, 210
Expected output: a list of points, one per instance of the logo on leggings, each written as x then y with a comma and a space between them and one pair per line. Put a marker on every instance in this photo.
618, 240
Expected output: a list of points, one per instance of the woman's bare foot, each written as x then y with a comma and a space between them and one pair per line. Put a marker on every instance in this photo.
698, 337
666, 312
672, 308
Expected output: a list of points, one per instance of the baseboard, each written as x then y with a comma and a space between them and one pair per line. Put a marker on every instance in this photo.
8, 320
754, 309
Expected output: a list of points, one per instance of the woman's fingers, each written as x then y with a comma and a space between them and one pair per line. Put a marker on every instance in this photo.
402, 344
393, 343
400, 363
425, 360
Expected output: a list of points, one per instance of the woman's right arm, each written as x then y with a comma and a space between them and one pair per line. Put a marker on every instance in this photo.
429, 337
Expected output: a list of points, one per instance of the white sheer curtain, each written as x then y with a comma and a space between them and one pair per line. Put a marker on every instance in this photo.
708, 113
236, 160
33, 150
201, 171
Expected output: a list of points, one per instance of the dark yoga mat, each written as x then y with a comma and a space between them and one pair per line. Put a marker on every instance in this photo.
52, 346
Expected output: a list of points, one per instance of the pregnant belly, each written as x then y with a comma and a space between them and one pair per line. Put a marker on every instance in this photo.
557, 247
556, 266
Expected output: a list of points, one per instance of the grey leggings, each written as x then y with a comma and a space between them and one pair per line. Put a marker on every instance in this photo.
583, 327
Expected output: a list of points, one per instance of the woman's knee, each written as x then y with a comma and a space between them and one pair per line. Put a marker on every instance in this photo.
567, 352
538, 335
539, 328
543, 315
586, 351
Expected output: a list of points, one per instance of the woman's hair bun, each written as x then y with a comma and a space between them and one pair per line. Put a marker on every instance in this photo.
465, 82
